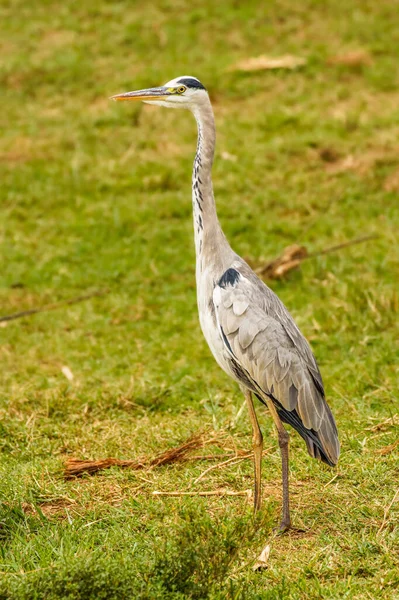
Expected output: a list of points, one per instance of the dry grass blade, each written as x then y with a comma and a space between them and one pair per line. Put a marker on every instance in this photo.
262, 63
76, 468
238, 457
331, 480
234, 460
66, 371
209, 457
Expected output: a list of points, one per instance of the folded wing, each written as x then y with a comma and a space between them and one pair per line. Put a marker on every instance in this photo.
264, 342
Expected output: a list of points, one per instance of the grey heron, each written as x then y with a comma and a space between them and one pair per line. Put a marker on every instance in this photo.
251, 334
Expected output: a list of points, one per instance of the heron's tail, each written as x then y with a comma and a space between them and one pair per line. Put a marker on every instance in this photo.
322, 444
328, 448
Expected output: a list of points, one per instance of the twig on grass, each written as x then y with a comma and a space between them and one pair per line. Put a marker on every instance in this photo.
292, 256
359, 240
54, 306
290, 259
76, 467
176, 454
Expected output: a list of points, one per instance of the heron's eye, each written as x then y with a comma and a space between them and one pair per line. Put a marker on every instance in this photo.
181, 89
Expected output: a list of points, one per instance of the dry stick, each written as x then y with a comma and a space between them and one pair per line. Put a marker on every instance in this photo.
209, 493
176, 454
387, 511
305, 255
76, 468
47, 307
359, 240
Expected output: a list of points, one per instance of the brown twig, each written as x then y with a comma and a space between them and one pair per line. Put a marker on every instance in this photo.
76, 468
290, 258
176, 454
54, 306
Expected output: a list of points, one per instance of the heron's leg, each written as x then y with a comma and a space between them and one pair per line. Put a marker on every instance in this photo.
283, 441
257, 439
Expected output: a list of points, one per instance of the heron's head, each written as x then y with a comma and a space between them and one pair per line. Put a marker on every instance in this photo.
182, 92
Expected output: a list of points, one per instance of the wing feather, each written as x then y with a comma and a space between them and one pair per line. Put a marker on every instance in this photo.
240, 306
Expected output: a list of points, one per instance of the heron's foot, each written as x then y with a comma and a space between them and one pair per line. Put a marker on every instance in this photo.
284, 526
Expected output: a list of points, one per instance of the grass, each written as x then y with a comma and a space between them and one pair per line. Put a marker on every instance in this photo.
97, 196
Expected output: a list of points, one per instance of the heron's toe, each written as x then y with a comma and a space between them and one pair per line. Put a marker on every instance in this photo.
283, 527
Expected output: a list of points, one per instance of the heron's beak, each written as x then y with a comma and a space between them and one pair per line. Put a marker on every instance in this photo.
157, 93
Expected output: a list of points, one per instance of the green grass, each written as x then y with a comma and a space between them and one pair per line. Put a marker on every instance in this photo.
97, 196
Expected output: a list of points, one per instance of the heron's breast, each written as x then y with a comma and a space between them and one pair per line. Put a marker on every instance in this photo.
209, 326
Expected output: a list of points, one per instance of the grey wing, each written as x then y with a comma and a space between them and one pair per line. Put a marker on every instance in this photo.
275, 364
265, 298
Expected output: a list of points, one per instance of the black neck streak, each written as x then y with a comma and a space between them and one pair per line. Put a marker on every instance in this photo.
208, 235
198, 197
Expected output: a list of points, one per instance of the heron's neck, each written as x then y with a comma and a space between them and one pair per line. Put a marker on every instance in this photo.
207, 231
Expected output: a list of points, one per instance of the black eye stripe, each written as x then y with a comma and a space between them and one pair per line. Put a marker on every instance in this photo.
191, 83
